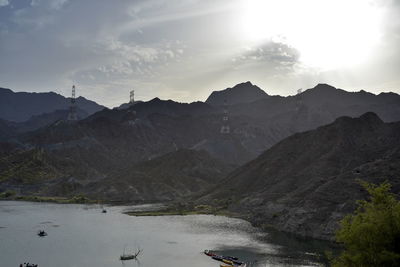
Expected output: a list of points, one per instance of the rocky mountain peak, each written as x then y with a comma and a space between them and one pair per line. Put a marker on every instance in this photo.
241, 93
371, 118
156, 100
324, 86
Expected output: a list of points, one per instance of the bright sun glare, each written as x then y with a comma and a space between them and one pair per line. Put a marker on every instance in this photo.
328, 33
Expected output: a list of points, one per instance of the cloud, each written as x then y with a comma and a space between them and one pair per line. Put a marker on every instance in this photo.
4, 3
127, 64
156, 12
51, 4
272, 57
137, 53
123, 59
24, 19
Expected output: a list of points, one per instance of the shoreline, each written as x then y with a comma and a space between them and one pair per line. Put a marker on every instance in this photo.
173, 212
57, 200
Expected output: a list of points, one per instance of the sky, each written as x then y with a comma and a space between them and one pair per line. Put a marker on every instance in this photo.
185, 49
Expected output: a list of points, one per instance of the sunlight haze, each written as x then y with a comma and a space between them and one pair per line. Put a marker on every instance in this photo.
183, 50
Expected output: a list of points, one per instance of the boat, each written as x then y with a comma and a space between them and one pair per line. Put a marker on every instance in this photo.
103, 210
237, 262
209, 253
231, 258
125, 256
41, 233
217, 258
233, 265
227, 261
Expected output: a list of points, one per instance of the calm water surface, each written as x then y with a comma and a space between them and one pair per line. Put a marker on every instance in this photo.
82, 236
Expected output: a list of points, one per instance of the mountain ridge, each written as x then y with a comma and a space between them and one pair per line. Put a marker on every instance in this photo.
296, 185
21, 106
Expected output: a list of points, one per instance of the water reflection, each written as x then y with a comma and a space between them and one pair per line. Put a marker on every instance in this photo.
81, 235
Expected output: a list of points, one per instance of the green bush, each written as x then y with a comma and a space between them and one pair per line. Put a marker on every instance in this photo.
7, 194
371, 236
79, 199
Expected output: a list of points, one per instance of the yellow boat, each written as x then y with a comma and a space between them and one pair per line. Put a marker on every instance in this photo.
228, 262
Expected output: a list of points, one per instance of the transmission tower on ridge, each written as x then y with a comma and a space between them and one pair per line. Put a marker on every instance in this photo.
72, 116
299, 91
132, 97
299, 100
225, 129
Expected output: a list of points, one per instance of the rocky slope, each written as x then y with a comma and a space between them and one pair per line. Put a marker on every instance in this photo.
169, 177
143, 131
174, 175
7, 129
307, 182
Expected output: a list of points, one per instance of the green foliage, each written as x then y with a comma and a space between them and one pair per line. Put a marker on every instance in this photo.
7, 194
26, 167
371, 236
79, 199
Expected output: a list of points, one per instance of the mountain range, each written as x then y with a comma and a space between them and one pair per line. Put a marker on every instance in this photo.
278, 165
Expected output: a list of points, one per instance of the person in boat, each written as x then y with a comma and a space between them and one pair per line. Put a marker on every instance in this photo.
42, 233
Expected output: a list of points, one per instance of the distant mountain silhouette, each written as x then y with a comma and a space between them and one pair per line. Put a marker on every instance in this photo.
172, 108
337, 102
322, 103
21, 106
307, 182
45, 119
155, 127
240, 93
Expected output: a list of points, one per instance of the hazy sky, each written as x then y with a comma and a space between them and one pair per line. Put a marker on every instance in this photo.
184, 49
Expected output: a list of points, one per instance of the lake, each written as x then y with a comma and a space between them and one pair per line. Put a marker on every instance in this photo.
82, 236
